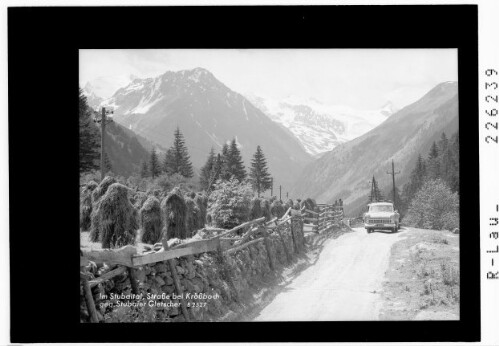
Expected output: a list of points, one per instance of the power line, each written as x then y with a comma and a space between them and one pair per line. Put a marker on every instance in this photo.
103, 121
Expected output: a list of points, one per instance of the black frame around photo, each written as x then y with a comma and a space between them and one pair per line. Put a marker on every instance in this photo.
43, 44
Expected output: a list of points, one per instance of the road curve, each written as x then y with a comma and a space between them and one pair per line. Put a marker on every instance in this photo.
342, 284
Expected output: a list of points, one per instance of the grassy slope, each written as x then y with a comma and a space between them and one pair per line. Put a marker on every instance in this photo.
422, 281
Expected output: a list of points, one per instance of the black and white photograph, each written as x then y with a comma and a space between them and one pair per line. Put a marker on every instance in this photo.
257, 172
221, 185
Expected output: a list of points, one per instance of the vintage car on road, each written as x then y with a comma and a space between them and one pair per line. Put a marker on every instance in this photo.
381, 215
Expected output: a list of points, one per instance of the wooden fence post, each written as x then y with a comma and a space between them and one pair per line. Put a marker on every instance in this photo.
268, 247
318, 220
89, 299
133, 280
176, 282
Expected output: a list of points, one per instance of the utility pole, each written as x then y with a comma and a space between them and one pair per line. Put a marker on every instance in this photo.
103, 122
271, 187
280, 193
393, 181
287, 195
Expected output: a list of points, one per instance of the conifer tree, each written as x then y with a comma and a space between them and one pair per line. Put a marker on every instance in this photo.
144, 171
399, 203
216, 171
433, 165
259, 176
154, 167
107, 163
89, 137
443, 144
178, 160
169, 162
225, 172
236, 165
442, 163
453, 177
375, 195
206, 170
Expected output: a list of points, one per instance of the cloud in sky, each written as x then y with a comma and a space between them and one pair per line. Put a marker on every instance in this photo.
359, 78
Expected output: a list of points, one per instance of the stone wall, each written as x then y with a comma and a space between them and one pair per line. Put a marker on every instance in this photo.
213, 286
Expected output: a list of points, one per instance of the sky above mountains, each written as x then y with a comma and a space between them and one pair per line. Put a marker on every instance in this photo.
359, 78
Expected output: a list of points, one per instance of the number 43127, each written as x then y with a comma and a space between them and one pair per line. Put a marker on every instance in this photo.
491, 87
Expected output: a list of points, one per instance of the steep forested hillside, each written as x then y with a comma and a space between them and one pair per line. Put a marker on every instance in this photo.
345, 171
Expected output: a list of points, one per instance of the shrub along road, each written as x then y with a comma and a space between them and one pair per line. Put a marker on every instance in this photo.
344, 284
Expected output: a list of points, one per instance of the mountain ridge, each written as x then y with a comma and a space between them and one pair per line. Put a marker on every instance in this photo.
319, 127
344, 172
209, 114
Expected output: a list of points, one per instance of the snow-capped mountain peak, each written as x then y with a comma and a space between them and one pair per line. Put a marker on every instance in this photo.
209, 114
320, 127
93, 100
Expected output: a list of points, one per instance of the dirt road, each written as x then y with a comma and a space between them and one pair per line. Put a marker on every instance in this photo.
343, 283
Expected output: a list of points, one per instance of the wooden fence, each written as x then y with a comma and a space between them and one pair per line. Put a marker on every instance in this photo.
324, 217
252, 232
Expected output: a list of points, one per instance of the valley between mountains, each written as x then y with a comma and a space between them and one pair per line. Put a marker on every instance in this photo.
325, 152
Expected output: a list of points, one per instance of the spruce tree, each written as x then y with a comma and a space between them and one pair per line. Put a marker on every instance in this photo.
236, 165
215, 171
144, 172
154, 168
416, 180
399, 203
169, 162
433, 165
225, 171
178, 160
206, 170
375, 195
89, 137
443, 144
259, 176
453, 178
107, 163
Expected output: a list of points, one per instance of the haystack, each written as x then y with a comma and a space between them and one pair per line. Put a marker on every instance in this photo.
309, 204
100, 190
95, 224
86, 207
191, 217
277, 209
139, 199
173, 215
154, 192
150, 221
256, 208
91, 185
265, 205
117, 218
202, 203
